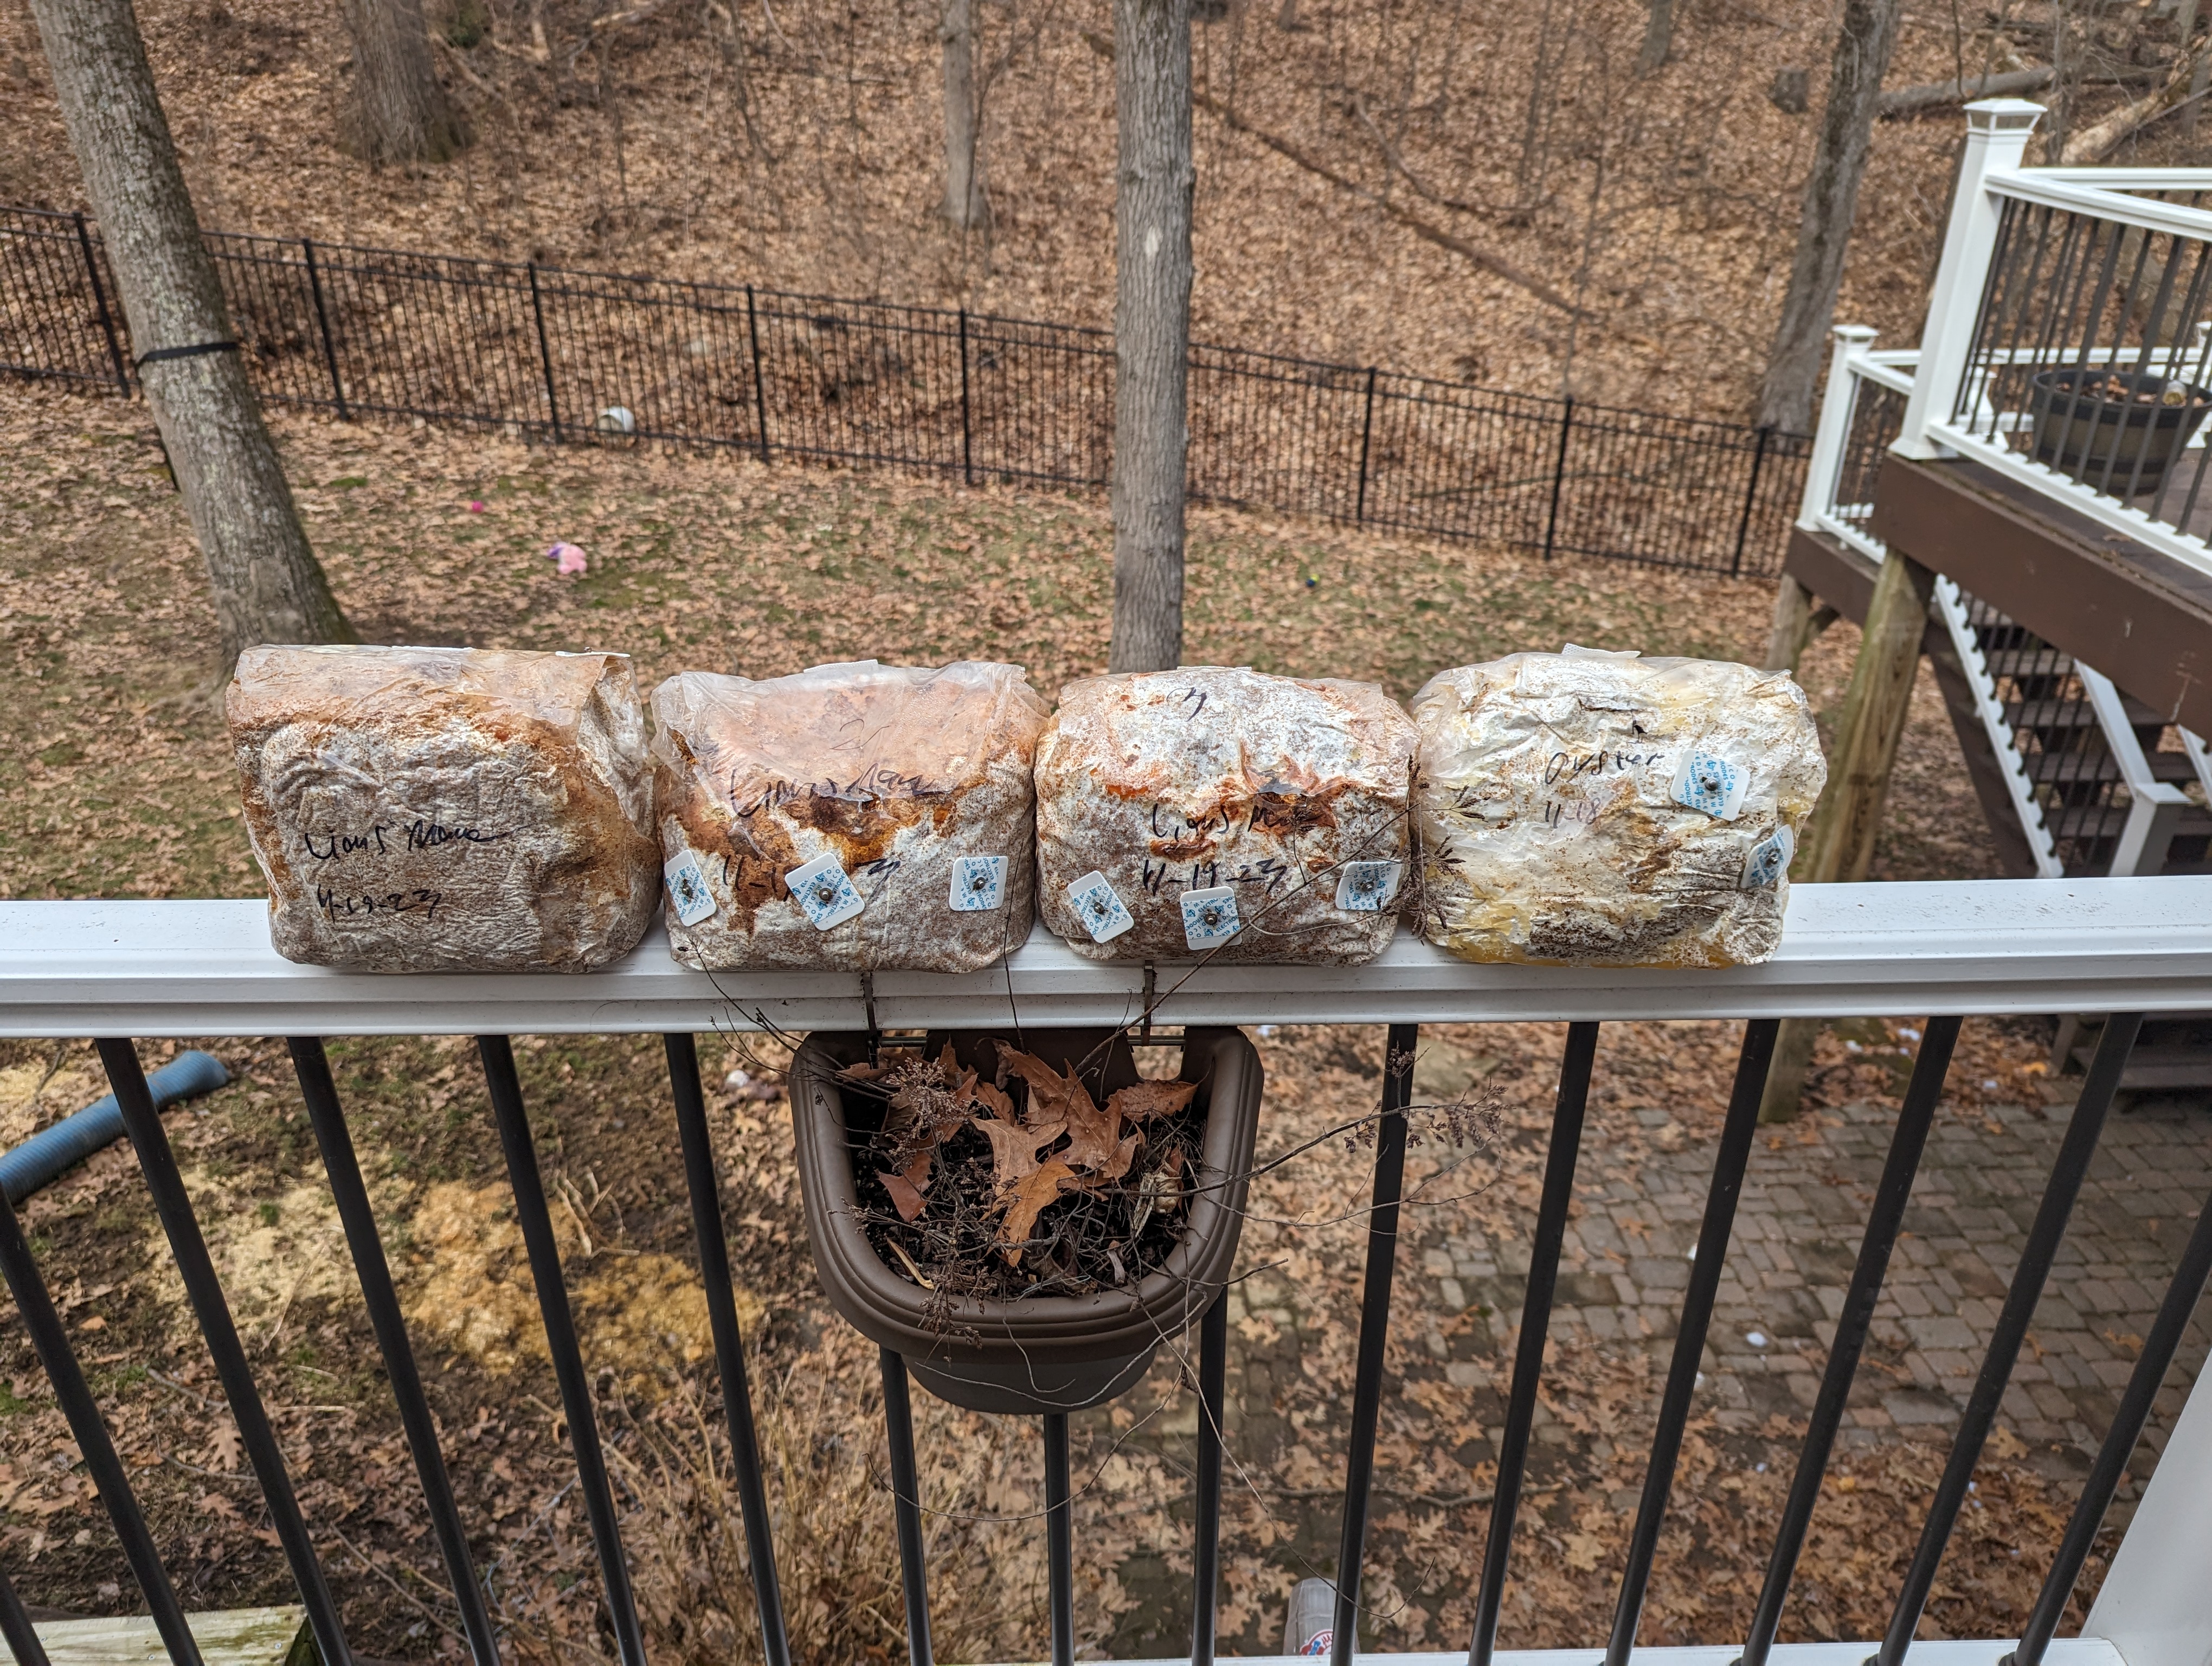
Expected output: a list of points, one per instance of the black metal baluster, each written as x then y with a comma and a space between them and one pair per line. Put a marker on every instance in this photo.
1374, 1330
1736, 1135
1205, 1550
1914, 1119
537, 1225
1575, 1067
16, 1630
99, 304
327, 1118
323, 324
2175, 1313
906, 1504
1059, 1540
158, 1164
2036, 1256
729, 1343
44, 1325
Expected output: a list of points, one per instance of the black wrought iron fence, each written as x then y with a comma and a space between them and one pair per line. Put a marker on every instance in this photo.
575, 355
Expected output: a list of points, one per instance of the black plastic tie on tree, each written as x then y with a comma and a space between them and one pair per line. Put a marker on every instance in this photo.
193, 352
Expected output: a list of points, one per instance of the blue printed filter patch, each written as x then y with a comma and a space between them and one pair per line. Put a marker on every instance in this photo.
1368, 887
687, 889
1768, 861
1209, 916
1711, 784
978, 884
1100, 907
823, 891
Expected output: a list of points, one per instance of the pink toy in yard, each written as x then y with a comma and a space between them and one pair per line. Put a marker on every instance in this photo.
568, 558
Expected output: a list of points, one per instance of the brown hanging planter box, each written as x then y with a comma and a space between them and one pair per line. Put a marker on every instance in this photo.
1037, 1354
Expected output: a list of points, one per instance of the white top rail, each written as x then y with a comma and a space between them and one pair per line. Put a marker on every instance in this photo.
2036, 945
2029, 185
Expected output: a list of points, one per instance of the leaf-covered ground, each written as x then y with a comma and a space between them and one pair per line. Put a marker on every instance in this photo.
118, 784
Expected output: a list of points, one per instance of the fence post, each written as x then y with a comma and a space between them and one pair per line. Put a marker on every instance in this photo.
1366, 437
967, 439
323, 322
760, 389
544, 353
1558, 478
99, 301
1750, 497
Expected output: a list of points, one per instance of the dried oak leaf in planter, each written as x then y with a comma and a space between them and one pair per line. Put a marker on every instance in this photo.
1600, 809
419, 809
914, 784
1215, 811
1001, 1195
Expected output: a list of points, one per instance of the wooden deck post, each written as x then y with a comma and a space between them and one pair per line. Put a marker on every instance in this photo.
1840, 843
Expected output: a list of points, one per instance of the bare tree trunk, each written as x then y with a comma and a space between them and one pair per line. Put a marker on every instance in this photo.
1151, 328
396, 111
267, 585
1658, 37
966, 204
1863, 46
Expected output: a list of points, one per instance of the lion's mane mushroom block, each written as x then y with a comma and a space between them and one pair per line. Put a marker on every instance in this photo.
420, 809
860, 816
1217, 811
1601, 810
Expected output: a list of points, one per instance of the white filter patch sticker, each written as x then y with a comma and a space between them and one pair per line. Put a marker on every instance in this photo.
1368, 887
978, 884
823, 891
688, 895
1711, 784
1768, 861
1100, 907
1209, 916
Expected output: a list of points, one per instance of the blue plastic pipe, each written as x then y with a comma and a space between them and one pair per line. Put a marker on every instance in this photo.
70, 1140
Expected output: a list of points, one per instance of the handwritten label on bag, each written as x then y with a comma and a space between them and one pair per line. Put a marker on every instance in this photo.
1209, 916
1711, 784
688, 896
1100, 907
1368, 887
823, 890
1768, 861
978, 884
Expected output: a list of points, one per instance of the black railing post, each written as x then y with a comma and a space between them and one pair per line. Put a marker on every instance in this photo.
544, 1252
1558, 478
1366, 439
43, 1323
1575, 1067
2037, 1254
1060, 1539
1206, 1549
16, 1629
323, 323
1750, 499
1374, 1330
760, 387
341, 1165
729, 1345
1914, 1119
1753, 1060
967, 439
545, 353
99, 302
906, 1508
165, 1183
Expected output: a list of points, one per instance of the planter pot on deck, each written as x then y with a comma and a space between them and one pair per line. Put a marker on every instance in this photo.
2086, 418
1040, 1353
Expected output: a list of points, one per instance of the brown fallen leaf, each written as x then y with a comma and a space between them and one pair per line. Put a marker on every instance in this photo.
1141, 1101
1093, 1135
905, 1197
1029, 1200
1124, 1155
1014, 1148
993, 1099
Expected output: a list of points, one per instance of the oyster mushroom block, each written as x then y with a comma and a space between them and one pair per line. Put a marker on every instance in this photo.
1604, 810
861, 817
1219, 813
419, 809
